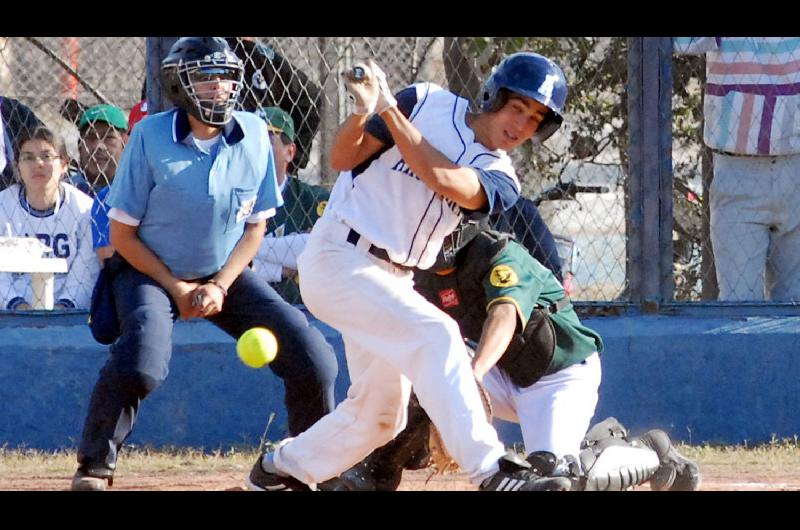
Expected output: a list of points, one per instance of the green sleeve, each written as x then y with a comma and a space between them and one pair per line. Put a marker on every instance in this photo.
513, 279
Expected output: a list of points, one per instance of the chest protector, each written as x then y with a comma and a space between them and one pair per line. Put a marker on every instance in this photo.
461, 295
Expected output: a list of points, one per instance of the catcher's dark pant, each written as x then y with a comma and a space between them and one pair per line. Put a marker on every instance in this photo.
140, 358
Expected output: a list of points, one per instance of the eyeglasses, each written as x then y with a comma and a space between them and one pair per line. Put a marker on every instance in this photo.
46, 158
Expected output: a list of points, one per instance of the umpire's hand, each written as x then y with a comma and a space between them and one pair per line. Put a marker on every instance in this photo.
207, 300
183, 293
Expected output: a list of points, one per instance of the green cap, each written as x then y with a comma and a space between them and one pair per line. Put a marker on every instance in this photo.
278, 121
107, 113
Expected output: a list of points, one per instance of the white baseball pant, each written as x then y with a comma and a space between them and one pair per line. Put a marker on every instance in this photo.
554, 413
393, 338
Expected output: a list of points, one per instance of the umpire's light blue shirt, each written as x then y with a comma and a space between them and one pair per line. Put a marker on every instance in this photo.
192, 206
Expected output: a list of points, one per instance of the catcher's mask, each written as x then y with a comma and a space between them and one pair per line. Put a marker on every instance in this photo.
195, 60
457, 240
531, 75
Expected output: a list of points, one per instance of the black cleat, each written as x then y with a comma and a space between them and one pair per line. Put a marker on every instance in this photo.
273, 480
516, 474
357, 478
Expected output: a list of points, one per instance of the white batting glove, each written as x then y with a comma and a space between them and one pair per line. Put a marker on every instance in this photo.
385, 97
367, 88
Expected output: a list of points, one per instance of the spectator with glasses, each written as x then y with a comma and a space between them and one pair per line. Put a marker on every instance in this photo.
43, 205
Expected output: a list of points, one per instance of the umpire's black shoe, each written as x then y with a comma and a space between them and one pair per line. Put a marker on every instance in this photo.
516, 474
92, 479
676, 473
272, 480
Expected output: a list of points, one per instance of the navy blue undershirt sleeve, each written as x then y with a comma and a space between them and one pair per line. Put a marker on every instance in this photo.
501, 191
406, 100
525, 223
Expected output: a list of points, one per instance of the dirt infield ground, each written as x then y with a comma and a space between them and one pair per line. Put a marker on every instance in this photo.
721, 471
715, 478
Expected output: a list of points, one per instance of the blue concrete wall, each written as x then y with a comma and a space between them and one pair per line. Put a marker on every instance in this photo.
703, 379
717, 380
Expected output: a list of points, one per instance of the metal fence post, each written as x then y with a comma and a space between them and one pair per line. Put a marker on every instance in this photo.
650, 183
156, 49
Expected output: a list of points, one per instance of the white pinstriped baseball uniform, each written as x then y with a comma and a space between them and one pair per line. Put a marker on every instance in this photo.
393, 337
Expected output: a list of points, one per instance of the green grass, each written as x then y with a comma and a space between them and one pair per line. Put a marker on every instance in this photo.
21, 461
779, 452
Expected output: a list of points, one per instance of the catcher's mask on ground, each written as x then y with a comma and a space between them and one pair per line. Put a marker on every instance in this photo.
457, 240
531, 75
203, 76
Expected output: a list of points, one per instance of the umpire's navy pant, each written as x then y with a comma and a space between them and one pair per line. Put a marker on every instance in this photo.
140, 358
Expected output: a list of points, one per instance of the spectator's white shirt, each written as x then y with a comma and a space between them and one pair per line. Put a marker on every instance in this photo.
67, 231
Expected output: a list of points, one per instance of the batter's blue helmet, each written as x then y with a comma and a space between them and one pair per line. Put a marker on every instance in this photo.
531, 75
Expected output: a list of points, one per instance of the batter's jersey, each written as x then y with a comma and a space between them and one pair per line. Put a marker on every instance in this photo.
386, 203
66, 229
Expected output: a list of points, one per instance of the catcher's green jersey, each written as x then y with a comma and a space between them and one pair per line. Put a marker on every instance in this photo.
494, 269
303, 204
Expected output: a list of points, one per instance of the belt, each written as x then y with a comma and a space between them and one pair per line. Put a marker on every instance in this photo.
353, 238
743, 155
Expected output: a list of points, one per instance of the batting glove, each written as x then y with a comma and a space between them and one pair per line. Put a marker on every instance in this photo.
386, 99
362, 88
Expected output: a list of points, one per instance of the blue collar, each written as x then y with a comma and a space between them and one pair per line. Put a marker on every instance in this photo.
231, 131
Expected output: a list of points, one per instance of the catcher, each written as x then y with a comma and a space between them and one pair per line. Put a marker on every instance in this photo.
540, 367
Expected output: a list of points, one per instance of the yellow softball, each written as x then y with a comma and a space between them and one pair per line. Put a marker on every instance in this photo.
257, 347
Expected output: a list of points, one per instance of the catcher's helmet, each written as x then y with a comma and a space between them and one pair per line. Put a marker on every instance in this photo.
531, 75
459, 238
193, 60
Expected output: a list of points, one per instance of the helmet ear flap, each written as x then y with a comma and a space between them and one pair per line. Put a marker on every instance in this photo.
549, 125
499, 100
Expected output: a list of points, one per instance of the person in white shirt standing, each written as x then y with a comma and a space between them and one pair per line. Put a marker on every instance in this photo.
412, 167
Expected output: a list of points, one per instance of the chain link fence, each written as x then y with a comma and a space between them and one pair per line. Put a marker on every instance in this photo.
48, 81
303, 76
589, 150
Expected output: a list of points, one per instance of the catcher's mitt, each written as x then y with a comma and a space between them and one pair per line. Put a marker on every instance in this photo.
441, 460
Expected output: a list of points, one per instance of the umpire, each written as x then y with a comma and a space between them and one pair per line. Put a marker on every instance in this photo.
188, 210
